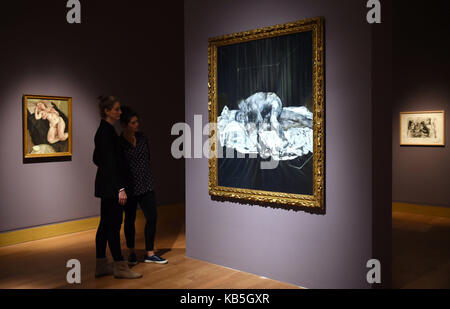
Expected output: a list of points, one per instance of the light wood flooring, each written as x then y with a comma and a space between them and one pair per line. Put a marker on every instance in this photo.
42, 263
421, 251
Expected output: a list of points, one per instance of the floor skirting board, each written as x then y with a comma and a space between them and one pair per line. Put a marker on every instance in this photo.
435, 211
57, 229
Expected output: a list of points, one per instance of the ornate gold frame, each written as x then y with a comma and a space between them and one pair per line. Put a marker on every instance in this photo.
26, 154
317, 200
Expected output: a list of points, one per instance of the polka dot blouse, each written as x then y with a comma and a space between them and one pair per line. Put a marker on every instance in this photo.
139, 178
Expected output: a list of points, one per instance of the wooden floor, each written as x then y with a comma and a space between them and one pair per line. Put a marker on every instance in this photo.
421, 251
42, 263
421, 259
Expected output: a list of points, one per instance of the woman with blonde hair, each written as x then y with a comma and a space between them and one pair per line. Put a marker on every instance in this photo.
110, 188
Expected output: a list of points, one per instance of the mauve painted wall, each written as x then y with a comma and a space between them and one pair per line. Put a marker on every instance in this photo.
315, 251
117, 49
421, 82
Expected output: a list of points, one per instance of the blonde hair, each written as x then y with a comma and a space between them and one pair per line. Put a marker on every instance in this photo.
106, 102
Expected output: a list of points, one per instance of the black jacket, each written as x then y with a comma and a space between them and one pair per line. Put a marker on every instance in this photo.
107, 156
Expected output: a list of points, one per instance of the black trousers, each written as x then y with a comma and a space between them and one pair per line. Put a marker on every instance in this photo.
108, 232
147, 201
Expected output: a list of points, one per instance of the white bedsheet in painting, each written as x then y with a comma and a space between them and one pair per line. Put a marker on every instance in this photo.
260, 127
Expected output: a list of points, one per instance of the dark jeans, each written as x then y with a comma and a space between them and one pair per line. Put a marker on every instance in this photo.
147, 201
108, 231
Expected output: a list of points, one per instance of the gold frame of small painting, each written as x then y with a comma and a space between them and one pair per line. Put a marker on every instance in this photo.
47, 126
422, 128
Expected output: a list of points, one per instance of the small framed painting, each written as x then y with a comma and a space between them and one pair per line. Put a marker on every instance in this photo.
425, 128
47, 126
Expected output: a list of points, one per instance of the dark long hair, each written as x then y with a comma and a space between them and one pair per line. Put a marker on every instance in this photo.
127, 114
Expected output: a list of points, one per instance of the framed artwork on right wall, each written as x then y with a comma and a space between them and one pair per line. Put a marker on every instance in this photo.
425, 128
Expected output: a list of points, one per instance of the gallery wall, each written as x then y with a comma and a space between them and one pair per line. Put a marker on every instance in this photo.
421, 83
311, 250
382, 93
117, 49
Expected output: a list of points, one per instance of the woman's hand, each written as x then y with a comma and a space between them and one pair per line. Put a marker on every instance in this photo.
122, 198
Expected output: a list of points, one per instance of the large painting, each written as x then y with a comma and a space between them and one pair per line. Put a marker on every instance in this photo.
422, 128
47, 126
266, 114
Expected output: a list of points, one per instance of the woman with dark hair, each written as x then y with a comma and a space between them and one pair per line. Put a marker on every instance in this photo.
109, 186
139, 185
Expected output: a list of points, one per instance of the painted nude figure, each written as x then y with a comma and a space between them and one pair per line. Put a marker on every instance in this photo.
259, 107
57, 125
